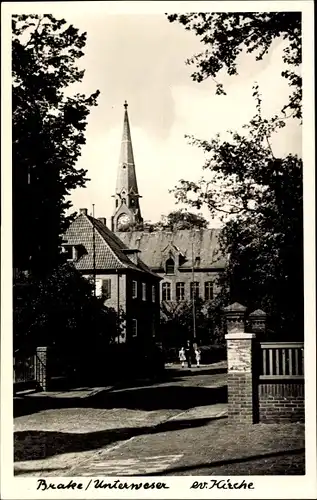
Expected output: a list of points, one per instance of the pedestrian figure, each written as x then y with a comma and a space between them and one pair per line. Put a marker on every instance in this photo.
188, 354
197, 356
182, 356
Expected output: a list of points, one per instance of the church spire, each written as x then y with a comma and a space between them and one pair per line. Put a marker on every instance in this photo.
127, 208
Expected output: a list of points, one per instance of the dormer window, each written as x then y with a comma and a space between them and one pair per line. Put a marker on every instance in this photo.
170, 266
73, 252
70, 252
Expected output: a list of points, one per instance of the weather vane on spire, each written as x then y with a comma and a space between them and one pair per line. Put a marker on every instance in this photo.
125, 104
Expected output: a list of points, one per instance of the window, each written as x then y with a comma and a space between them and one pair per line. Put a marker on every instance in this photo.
134, 328
143, 291
134, 289
106, 288
170, 266
166, 291
153, 293
98, 287
209, 290
68, 252
194, 289
180, 291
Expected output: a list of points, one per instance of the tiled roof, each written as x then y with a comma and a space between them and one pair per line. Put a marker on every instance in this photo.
153, 247
109, 249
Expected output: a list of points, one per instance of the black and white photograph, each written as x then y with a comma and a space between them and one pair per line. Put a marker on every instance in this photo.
158, 293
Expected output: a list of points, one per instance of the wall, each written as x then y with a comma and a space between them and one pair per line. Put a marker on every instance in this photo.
279, 402
265, 379
114, 301
187, 277
146, 312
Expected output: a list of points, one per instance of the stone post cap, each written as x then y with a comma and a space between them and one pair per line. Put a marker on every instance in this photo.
235, 308
258, 314
240, 336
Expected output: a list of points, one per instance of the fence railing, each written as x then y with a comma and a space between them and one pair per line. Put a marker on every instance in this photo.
281, 360
23, 368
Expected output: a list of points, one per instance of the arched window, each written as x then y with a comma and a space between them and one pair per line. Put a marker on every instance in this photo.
170, 266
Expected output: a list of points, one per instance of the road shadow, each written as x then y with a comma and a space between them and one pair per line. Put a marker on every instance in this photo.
171, 374
219, 463
136, 398
37, 445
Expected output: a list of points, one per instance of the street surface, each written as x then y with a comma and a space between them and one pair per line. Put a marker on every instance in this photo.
176, 426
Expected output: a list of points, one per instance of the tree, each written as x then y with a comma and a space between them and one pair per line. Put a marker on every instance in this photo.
178, 219
177, 322
227, 34
259, 198
61, 311
48, 125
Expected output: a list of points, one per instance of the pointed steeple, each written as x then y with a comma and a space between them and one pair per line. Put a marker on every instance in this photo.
127, 208
126, 177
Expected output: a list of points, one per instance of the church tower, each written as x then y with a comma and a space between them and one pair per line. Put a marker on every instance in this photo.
127, 209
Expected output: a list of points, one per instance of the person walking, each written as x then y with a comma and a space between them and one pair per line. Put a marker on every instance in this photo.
182, 356
197, 356
188, 354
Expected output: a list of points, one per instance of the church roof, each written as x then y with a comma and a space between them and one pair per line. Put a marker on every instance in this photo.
153, 247
126, 176
109, 249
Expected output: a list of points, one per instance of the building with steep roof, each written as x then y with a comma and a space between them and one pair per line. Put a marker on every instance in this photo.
124, 281
188, 261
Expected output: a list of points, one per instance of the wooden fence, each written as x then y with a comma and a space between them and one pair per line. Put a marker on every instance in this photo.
280, 382
282, 360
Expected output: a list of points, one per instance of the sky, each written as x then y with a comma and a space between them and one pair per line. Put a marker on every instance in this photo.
141, 59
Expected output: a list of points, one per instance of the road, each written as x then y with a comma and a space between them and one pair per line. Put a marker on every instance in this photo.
176, 426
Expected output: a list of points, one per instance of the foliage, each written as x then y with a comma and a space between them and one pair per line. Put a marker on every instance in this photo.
47, 134
61, 311
178, 219
227, 34
260, 200
177, 322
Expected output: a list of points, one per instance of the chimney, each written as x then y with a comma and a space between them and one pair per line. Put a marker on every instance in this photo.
132, 253
103, 220
83, 211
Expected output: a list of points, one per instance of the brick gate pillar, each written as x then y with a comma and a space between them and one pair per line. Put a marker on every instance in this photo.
41, 375
241, 402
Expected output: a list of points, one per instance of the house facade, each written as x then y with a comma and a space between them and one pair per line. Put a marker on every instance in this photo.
188, 261
120, 277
